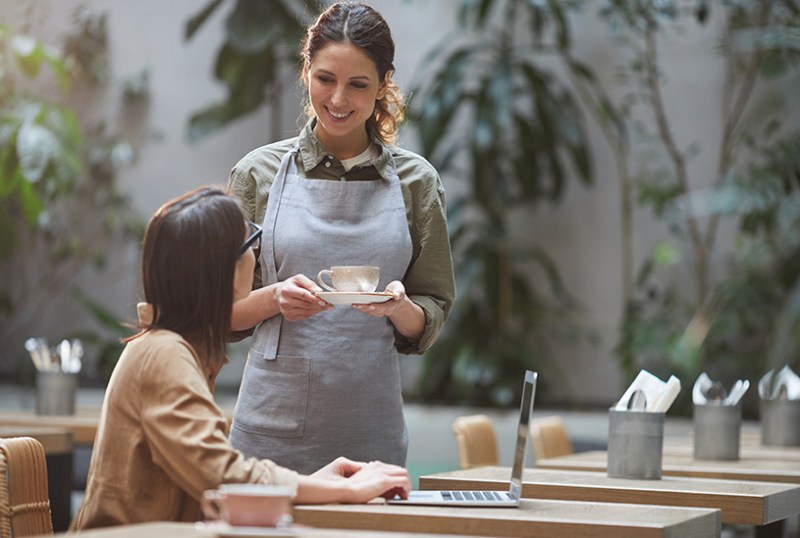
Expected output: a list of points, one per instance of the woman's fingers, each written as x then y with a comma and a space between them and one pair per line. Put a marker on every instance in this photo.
297, 300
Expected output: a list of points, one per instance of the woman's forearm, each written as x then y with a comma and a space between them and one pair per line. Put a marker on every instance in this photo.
259, 305
313, 490
409, 320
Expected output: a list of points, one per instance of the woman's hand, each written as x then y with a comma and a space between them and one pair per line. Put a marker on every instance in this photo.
378, 479
339, 469
392, 306
362, 482
296, 300
348, 481
406, 316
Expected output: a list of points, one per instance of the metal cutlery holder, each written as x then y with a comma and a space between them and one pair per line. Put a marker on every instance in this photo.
780, 422
55, 393
635, 444
716, 431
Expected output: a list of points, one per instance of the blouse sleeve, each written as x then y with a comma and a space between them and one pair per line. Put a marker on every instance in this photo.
185, 429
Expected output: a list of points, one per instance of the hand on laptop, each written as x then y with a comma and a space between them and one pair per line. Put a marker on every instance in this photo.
366, 481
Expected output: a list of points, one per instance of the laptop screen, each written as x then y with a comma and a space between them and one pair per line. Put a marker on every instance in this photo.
526, 407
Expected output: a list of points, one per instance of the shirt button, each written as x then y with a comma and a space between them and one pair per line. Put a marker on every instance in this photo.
328, 164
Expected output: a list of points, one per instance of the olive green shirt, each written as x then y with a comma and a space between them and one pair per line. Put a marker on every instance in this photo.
429, 280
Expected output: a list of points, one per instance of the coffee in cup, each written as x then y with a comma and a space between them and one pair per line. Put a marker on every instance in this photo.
250, 505
350, 278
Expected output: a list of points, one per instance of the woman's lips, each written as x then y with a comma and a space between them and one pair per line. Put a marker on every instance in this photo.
339, 116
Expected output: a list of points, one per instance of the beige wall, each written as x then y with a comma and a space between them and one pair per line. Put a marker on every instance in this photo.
582, 234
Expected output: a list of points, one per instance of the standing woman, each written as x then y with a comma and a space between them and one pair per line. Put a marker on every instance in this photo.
321, 380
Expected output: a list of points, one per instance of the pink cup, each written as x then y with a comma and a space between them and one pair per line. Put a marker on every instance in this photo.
249, 505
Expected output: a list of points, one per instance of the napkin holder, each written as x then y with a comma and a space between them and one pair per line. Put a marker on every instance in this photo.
780, 422
56, 392
635, 444
717, 431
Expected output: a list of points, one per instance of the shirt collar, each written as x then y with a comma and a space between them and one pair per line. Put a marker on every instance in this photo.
145, 315
312, 152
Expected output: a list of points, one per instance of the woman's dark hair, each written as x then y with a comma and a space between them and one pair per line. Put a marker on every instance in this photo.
365, 28
189, 255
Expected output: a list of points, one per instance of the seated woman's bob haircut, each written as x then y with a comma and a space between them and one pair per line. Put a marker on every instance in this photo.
189, 255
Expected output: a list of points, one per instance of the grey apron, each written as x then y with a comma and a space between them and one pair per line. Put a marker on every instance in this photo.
328, 385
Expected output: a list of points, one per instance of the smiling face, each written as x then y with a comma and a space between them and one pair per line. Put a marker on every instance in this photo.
343, 86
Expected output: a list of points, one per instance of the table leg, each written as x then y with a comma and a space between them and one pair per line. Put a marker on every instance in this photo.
59, 481
771, 530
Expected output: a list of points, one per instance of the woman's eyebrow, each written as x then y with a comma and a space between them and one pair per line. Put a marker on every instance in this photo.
331, 73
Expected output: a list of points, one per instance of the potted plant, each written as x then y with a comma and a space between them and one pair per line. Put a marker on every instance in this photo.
492, 116
61, 209
726, 322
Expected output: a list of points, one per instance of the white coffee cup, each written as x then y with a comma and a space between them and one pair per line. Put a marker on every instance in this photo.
350, 278
248, 505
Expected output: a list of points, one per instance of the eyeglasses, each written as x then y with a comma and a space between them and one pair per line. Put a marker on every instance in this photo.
253, 241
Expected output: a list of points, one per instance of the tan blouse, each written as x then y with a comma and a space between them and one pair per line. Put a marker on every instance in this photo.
162, 439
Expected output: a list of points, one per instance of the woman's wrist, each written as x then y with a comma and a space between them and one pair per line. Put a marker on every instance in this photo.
260, 304
409, 319
318, 490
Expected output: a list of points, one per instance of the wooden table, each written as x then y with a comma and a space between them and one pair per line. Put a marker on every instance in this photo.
54, 440
747, 468
744, 503
749, 449
191, 530
540, 518
82, 425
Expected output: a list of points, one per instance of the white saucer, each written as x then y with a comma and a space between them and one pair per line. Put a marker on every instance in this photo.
220, 528
353, 297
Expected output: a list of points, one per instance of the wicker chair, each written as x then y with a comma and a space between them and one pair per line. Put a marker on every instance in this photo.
550, 438
24, 502
477, 441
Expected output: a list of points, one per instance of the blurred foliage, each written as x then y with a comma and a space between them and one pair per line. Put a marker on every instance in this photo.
492, 114
742, 319
752, 321
60, 207
107, 344
260, 37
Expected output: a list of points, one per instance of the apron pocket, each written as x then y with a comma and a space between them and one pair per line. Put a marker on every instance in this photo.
274, 396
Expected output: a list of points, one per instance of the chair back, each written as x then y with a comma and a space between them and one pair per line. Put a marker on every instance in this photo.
550, 438
476, 440
24, 501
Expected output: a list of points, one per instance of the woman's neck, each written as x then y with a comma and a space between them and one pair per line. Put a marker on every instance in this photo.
343, 147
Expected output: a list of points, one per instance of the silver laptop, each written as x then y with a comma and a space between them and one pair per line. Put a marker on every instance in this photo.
508, 498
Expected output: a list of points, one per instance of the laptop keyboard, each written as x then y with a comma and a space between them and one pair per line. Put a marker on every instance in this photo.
474, 496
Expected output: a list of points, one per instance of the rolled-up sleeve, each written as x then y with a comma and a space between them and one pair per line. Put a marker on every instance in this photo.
429, 281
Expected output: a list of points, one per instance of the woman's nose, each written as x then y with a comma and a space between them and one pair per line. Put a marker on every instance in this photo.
339, 96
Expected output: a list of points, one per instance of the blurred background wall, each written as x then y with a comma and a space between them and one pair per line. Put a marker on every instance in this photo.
582, 234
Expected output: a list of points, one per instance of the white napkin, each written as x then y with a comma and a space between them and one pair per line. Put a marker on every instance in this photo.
772, 385
659, 395
704, 383
699, 389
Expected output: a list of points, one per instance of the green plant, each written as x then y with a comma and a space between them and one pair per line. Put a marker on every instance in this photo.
107, 344
261, 38
489, 112
726, 324
60, 207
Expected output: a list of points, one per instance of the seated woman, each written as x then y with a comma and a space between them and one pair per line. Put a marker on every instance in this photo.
162, 440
